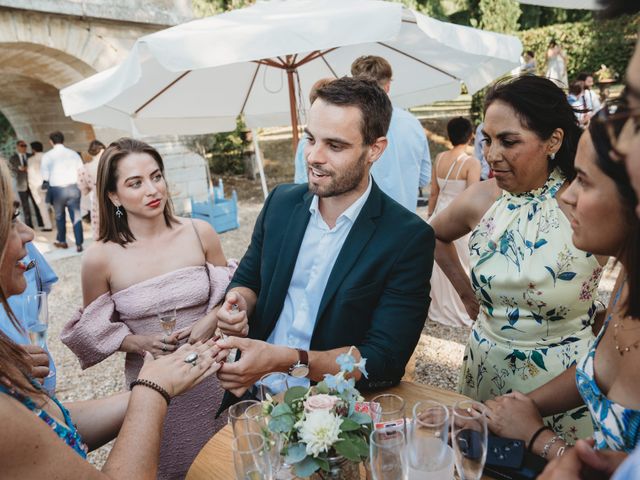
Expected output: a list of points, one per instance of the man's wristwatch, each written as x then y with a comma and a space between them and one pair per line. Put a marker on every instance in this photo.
300, 369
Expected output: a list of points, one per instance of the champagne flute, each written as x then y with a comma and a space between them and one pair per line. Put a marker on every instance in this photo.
168, 320
250, 457
240, 421
428, 449
36, 315
469, 432
388, 455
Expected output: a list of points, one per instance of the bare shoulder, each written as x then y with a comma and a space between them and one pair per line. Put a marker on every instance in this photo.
210, 241
478, 198
97, 256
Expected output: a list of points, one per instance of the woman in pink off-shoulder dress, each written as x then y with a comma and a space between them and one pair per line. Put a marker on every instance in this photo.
147, 261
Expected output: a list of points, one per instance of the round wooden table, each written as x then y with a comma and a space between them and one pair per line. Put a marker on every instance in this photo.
215, 460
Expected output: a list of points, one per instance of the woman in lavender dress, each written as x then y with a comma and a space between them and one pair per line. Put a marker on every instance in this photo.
148, 261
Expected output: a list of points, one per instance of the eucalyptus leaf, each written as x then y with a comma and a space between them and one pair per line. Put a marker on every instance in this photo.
294, 393
281, 423
296, 453
281, 409
322, 387
306, 467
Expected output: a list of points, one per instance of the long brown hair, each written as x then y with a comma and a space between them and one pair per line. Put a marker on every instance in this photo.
113, 228
14, 363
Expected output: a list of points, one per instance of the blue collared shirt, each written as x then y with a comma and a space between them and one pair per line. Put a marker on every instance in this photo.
318, 253
405, 164
47, 278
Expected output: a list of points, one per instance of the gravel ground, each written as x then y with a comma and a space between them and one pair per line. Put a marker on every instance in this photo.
437, 359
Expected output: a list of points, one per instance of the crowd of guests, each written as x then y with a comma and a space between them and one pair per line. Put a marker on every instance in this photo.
338, 263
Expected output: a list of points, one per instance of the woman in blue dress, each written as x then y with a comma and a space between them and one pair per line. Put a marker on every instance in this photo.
606, 379
41, 438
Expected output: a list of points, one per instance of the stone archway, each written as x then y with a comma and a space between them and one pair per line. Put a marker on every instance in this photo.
30, 78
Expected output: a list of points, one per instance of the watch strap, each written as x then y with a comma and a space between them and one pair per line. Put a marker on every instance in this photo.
303, 357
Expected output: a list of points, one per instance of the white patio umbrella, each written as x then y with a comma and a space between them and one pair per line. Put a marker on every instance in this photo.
569, 4
198, 77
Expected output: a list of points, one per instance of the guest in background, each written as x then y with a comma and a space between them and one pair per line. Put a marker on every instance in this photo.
592, 102
453, 172
478, 152
35, 185
60, 172
405, 165
557, 64
87, 178
576, 99
19, 168
531, 291
529, 63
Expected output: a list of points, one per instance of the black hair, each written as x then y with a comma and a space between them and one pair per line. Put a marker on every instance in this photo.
56, 137
530, 53
576, 87
36, 146
615, 8
459, 130
365, 94
628, 253
541, 106
582, 76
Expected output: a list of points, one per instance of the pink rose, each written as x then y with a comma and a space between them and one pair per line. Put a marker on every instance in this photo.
320, 401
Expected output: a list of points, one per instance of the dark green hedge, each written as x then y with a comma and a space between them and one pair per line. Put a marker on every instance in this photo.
587, 44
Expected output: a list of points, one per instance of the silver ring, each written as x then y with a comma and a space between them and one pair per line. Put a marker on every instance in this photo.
191, 358
164, 347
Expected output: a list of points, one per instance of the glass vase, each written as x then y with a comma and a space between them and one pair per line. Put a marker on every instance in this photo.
340, 468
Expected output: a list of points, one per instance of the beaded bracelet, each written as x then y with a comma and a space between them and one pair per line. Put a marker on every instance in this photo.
152, 386
535, 436
548, 445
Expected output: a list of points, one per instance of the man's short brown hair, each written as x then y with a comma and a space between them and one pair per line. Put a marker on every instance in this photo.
373, 67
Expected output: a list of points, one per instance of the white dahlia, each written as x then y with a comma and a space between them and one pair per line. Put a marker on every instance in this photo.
319, 431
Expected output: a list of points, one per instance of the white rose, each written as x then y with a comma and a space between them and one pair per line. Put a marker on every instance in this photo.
321, 401
319, 431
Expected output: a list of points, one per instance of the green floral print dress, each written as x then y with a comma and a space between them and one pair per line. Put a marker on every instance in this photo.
536, 293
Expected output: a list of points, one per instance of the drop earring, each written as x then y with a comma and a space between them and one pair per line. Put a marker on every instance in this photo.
552, 156
119, 213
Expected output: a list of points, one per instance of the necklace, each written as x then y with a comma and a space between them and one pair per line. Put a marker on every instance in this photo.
622, 349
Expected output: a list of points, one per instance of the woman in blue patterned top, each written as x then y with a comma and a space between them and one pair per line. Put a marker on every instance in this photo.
603, 207
33, 424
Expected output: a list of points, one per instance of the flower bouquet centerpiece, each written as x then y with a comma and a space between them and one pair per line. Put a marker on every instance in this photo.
324, 428
605, 75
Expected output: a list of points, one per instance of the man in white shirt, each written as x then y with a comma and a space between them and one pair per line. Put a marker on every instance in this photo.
333, 263
405, 164
60, 171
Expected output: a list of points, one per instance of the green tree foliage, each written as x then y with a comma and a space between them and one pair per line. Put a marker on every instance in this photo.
588, 44
224, 151
7, 136
499, 15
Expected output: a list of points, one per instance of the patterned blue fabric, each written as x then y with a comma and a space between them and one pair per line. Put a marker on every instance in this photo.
615, 427
67, 431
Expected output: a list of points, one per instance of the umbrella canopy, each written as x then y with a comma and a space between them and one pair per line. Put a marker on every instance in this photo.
569, 4
198, 77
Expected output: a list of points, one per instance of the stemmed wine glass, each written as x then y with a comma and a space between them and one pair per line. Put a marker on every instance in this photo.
469, 437
168, 321
36, 314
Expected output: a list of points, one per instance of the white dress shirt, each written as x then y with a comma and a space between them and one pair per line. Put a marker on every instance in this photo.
318, 253
60, 166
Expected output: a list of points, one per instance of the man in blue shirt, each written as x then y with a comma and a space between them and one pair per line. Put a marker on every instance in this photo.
478, 150
405, 164
40, 277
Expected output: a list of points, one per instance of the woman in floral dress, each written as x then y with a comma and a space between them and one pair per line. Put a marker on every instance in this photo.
531, 291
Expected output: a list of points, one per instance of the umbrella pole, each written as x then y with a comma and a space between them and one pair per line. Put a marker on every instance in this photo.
256, 147
293, 108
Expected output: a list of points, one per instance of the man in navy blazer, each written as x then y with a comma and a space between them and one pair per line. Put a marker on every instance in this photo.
332, 264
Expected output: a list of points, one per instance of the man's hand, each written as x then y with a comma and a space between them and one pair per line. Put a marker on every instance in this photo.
584, 463
232, 315
258, 358
39, 361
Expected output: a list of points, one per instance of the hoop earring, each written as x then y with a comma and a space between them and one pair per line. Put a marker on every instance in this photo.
119, 213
